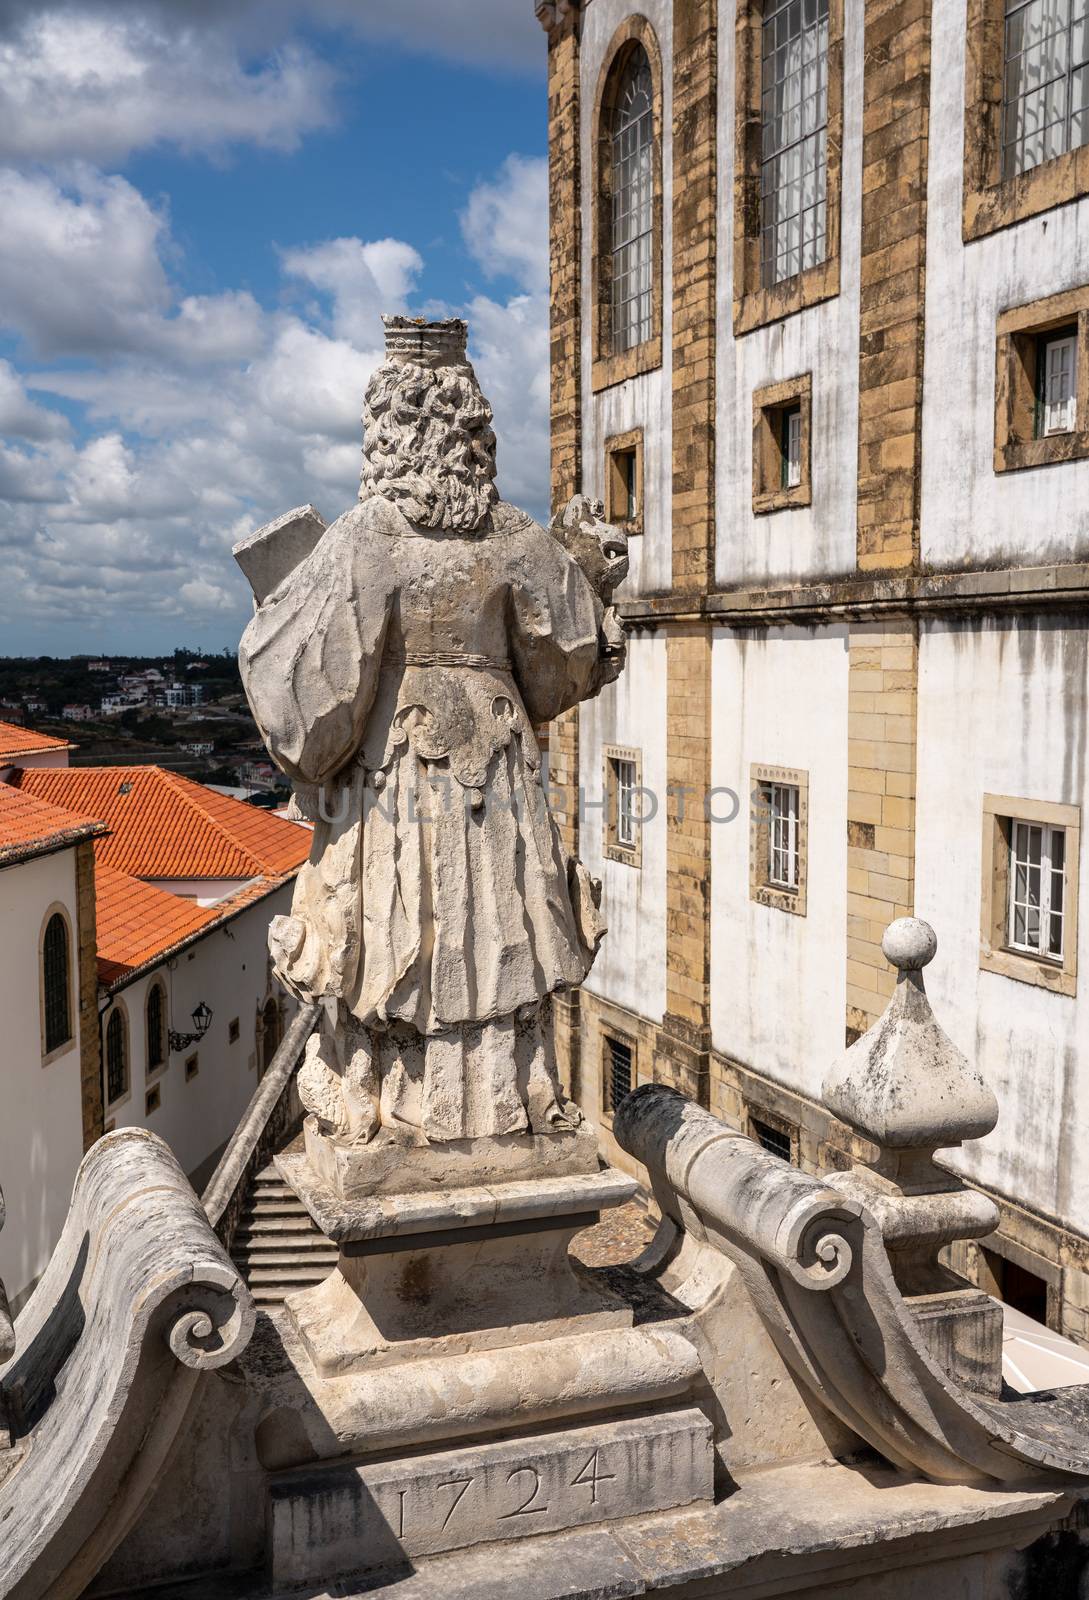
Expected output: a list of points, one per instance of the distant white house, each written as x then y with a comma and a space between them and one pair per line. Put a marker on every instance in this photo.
78, 714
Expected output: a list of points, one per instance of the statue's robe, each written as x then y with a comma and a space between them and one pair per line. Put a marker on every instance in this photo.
398, 672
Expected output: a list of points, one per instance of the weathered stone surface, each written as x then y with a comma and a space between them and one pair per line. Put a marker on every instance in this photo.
138, 1300
395, 1163
400, 669
271, 554
418, 1210
339, 1520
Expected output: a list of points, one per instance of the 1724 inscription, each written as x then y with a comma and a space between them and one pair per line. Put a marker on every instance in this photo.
346, 1519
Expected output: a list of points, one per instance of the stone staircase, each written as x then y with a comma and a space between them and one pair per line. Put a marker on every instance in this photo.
278, 1247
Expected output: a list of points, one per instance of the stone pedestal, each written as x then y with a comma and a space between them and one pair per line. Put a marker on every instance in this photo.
439, 1269
456, 1307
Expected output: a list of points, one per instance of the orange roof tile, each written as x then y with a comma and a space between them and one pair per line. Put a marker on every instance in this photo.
32, 827
136, 922
165, 826
138, 925
15, 743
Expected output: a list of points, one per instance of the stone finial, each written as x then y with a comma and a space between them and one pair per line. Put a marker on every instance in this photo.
904, 1084
549, 12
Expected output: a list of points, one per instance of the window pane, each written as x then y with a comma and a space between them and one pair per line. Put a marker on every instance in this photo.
1045, 45
632, 139
56, 984
794, 109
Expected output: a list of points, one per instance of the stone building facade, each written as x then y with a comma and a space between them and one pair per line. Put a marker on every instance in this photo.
820, 340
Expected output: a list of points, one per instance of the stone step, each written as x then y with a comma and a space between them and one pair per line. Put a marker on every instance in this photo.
259, 1222
307, 1260
290, 1277
284, 1239
275, 1208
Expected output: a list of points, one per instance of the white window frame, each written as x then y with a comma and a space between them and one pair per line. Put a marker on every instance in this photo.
623, 780
784, 805
1037, 901
626, 785
1059, 389
779, 837
1024, 960
792, 453
632, 245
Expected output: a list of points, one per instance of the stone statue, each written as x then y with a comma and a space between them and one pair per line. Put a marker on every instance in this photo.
396, 672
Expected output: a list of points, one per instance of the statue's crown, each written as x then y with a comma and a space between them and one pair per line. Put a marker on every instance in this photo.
428, 344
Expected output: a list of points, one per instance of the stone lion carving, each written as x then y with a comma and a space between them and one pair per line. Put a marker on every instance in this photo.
396, 674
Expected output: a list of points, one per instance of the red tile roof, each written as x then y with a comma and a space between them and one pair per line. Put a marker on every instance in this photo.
165, 826
136, 922
15, 743
33, 827
139, 925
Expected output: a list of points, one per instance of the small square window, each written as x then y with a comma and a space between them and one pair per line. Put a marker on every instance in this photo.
1042, 383
617, 1072
623, 805
624, 481
192, 1067
781, 425
1030, 891
778, 837
233, 1031
775, 1138
152, 1101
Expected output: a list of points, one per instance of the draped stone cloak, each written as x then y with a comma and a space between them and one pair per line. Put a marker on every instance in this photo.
398, 671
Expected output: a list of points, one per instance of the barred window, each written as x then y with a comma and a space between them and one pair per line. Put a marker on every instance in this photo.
1045, 103
56, 983
632, 150
617, 1071
774, 1140
117, 1057
156, 1027
794, 143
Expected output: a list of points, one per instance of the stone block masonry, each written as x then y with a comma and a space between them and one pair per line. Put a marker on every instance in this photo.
882, 687
682, 1055
895, 133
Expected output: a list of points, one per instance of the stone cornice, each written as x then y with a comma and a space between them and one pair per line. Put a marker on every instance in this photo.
1005, 589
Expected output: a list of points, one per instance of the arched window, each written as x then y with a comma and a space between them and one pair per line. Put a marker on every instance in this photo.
117, 1056
156, 1027
270, 1032
626, 203
631, 154
56, 983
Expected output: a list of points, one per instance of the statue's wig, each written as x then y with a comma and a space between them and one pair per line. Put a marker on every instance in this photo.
428, 444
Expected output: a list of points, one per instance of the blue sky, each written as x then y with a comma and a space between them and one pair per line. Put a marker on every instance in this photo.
207, 206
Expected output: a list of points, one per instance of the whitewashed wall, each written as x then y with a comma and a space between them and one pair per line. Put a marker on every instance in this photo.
645, 401
228, 970
631, 966
41, 1120
1002, 710
970, 514
778, 980
817, 540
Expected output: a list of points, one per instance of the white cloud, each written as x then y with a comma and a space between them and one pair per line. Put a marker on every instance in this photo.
505, 223
20, 417
203, 416
102, 81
